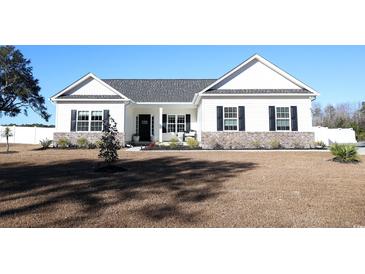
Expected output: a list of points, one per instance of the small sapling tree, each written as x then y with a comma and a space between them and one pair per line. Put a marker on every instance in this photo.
7, 133
109, 144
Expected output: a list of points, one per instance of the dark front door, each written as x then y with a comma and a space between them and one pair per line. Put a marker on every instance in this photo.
145, 127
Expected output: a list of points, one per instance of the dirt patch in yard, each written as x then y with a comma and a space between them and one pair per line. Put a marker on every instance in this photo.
60, 188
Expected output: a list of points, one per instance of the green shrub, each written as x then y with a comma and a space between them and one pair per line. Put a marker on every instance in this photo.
192, 143
344, 153
63, 142
82, 142
45, 143
256, 144
275, 144
320, 144
98, 143
91, 146
174, 142
361, 136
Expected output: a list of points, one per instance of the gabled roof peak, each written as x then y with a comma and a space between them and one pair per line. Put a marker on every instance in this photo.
269, 65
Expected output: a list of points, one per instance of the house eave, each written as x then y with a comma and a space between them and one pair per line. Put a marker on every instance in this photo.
89, 100
163, 103
309, 95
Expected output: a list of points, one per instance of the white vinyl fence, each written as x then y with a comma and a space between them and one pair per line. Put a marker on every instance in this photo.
27, 135
334, 135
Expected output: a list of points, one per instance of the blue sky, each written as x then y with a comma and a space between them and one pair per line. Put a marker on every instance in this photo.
337, 72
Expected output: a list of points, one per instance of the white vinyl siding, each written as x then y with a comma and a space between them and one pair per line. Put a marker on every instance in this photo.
256, 111
63, 113
256, 75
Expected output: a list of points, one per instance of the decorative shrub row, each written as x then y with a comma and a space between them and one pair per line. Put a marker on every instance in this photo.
273, 144
192, 143
175, 144
81, 143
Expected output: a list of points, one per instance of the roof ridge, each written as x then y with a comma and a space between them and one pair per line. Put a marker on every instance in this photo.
172, 79
249, 89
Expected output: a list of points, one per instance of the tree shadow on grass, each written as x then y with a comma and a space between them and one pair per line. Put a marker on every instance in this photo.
151, 190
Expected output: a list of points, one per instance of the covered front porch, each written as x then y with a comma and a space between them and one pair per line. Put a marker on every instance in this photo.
145, 123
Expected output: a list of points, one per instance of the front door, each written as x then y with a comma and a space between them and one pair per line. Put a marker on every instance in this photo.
145, 127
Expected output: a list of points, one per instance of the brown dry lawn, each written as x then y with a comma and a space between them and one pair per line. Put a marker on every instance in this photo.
59, 188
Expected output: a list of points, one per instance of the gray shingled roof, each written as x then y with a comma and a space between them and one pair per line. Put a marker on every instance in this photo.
257, 91
90, 97
159, 90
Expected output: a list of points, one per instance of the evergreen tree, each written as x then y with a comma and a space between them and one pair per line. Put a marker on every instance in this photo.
109, 142
19, 90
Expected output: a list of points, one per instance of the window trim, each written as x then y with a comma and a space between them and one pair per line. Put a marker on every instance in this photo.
137, 125
152, 127
237, 119
276, 119
102, 120
89, 120
77, 121
176, 123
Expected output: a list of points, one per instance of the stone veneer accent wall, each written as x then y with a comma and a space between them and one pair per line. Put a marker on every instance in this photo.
92, 137
240, 140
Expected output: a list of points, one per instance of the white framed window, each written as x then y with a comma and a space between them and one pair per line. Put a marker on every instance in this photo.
137, 125
89, 120
180, 123
230, 118
82, 121
176, 123
282, 119
171, 123
96, 121
152, 125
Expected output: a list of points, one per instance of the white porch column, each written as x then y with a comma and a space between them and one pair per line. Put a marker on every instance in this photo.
160, 125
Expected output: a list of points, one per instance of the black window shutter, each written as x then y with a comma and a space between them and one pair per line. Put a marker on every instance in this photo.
219, 118
164, 121
187, 121
73, 119
106, 118
241, 118
294, 118
272, 124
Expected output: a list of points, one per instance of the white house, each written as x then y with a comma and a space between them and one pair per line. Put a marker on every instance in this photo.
254, 103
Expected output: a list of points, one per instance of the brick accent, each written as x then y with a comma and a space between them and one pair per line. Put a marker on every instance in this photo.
90, 136
241, 140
